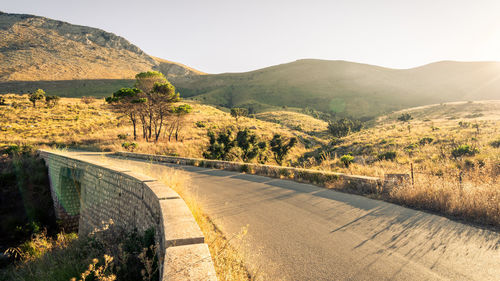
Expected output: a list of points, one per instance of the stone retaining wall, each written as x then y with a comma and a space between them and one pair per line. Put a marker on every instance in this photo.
88, 194
357, 184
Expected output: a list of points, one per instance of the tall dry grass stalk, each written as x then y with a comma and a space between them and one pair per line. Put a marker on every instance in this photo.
474, 197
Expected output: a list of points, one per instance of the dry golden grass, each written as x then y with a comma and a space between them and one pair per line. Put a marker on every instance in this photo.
94, 126
70, 122
473, 199
466, 187
39, 245
477, 110
434, 158
228, 261
296, 121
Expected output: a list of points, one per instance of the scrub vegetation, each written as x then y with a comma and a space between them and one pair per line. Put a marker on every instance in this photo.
36, 247
443, 158
452, 147
107, 254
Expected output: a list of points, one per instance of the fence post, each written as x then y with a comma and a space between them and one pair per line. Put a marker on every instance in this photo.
412, 178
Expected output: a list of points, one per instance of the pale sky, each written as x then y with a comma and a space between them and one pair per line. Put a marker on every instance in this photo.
232, 36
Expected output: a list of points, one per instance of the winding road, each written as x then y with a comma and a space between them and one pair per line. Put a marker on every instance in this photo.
303, 232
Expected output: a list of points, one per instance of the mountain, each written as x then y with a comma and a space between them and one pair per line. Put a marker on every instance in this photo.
40, 49
72, 60
346, 88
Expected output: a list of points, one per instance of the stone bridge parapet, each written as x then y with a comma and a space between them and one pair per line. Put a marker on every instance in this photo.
87, 193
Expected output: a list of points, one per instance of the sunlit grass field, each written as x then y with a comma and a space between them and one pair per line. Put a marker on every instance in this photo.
92, 125
452, 149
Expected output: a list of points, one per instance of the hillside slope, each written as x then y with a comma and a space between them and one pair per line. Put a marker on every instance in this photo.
346, 88
36, 48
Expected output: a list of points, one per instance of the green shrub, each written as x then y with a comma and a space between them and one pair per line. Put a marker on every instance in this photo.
249, 145
464, 124
469, 163
410, 149
347, 160
344, 127
36, 96
335, 141
131, 256
280, 149
130, 146
284, 172
122, 136
388, 155
220, 146
200, 124
464, 150
52, 101
405, 117
495, 144
425, 140
11, 149
238, 112
244, 168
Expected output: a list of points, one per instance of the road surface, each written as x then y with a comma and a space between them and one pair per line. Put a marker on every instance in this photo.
303, 232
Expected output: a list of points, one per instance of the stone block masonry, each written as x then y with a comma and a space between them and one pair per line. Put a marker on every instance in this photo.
87, 195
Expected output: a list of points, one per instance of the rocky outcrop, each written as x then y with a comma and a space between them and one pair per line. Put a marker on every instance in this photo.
173, 69
36, 48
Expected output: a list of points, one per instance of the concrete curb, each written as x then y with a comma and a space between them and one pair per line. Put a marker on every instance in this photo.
134, 201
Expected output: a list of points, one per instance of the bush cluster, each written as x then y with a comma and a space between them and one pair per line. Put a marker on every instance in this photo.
495, 144
425, 140
130, 146
112, 254
464, 150
246, 146
388, 155
347, 159
405, 117
344, 127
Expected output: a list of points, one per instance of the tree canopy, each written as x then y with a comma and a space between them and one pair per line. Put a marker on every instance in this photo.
238, 112
149, 103
344, 127
36, 96
280, 148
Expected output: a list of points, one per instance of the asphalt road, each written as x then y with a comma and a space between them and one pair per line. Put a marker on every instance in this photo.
303, 232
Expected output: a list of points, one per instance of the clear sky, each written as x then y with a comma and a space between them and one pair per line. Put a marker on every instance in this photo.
233, 35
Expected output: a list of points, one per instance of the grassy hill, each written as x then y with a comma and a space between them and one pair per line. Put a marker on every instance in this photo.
36, 51
94, 126
345, 88
454, 148
296, 121
40, 49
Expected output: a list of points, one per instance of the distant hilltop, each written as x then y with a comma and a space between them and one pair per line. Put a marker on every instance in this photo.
73, 60
345, 88
35, 48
